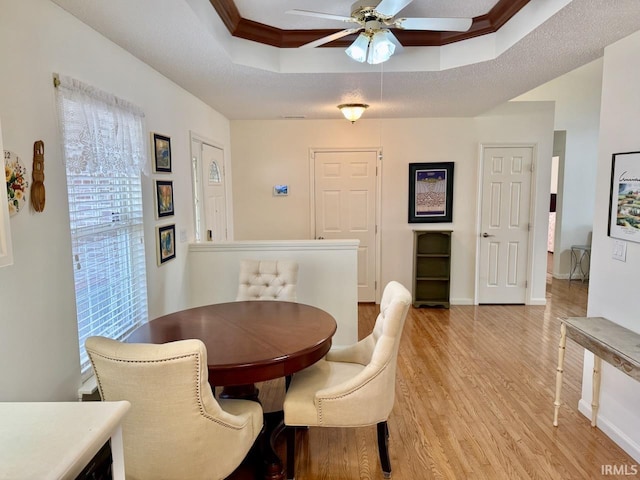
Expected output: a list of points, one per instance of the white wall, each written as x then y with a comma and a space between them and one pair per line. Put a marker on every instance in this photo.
613, 288
38, 333
327, 276
269, 152
577, 98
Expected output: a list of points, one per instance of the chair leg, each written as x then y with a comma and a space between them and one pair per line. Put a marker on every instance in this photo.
383, 448
291, 452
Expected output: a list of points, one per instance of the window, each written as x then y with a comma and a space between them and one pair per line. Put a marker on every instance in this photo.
214, 173
104, 154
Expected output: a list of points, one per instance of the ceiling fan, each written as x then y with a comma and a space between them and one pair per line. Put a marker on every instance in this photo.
376, 43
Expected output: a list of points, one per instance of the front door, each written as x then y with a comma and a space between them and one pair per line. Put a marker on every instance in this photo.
213, 189
504, 230
345, 187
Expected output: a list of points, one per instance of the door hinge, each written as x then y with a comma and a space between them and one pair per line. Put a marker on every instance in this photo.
375, 285
526, 284
376, 229
380, 156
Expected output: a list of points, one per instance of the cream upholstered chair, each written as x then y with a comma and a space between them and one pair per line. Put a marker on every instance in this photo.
352, 386
175, 428
268, 280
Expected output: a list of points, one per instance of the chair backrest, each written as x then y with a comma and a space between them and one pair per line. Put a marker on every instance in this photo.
373, 386
175, 427
268, 280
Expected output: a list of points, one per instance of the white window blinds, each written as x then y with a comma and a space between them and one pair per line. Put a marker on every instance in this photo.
104, 152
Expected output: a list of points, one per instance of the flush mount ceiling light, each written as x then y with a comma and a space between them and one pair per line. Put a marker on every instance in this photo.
353, 111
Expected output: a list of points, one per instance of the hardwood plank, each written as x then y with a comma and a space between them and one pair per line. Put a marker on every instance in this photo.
474, 400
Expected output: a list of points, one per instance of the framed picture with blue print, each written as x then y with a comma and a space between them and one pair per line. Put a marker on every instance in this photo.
430, 192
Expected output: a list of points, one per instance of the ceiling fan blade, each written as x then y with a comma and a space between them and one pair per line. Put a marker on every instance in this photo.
436, 24
389, 8
330, 38
308, 13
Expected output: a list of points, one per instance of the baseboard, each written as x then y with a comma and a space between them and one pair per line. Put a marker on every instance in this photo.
461, 301
611, 431
538, 301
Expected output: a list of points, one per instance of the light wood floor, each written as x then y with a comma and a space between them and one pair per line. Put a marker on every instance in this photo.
474, 400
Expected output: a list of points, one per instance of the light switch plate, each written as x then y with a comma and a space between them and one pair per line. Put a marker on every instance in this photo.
619, 250
183, 235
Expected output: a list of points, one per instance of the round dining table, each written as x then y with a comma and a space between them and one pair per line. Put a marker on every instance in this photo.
248, 342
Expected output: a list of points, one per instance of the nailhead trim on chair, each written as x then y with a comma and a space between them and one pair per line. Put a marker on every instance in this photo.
320, 400
178, 357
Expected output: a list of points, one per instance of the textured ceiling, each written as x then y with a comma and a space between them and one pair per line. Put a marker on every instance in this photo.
187, 42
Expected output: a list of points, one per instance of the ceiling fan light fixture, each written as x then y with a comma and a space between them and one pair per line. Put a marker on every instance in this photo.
353, 111
381, 48
358, 49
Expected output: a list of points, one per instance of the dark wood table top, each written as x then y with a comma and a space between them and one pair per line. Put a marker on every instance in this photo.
248, 342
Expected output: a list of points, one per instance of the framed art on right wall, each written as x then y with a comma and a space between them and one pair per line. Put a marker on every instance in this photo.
430, 192
624, 199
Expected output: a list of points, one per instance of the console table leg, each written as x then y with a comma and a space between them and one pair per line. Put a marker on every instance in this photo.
561, 349
595, 395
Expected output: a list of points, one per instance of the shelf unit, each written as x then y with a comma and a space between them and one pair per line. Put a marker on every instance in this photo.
431, 268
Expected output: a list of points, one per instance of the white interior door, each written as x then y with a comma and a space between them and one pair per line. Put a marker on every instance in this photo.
345, 186
214, 194
504, 231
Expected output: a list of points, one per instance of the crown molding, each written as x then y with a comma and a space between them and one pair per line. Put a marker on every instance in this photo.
240, 27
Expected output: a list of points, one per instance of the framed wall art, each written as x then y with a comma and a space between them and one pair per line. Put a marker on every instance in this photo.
430, 192
161, 153
624, 197
166, 243
280, 190
164, 198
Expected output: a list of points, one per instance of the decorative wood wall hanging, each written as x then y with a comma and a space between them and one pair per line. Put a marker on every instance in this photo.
17, 183
37, 189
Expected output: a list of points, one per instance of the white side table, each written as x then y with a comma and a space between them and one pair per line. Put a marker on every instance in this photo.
56, 440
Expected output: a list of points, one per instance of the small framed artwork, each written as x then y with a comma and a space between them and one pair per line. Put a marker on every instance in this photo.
280, 190
161, 153
166, 243
164, 198
624, 197
430, 192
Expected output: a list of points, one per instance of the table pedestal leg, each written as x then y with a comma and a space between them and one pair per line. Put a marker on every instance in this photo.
561, 350
242, 392
595, 393
274, 425
270, 464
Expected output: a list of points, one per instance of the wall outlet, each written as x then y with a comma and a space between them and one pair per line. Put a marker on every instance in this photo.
619, 250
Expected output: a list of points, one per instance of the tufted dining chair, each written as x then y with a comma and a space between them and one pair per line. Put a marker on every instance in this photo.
352, 386
175, 428
268, 280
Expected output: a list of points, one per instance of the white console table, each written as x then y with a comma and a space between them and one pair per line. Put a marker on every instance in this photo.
56, 440
607, 341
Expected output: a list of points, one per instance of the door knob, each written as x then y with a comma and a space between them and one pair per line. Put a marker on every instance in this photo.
320, 238
486, 235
